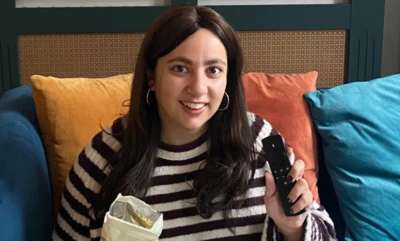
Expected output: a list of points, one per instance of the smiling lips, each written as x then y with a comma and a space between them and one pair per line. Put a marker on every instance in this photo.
192, 105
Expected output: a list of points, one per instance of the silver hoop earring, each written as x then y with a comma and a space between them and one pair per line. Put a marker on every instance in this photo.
147, 97
227, 102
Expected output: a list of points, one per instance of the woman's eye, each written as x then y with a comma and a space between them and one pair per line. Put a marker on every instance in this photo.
180, 69
214, 70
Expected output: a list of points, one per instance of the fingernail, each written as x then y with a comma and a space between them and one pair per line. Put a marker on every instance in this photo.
290, 201
290, 178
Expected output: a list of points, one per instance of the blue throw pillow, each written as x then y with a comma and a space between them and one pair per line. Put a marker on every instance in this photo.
360, 127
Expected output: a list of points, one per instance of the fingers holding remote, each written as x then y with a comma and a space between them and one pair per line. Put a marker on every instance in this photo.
300, 196
290, 154
297, 171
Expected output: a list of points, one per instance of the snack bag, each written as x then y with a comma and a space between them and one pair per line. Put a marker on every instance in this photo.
130, 219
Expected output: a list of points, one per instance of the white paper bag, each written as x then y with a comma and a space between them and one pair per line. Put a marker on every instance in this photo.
119, 224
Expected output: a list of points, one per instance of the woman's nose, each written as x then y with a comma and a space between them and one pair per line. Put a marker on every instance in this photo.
197, 84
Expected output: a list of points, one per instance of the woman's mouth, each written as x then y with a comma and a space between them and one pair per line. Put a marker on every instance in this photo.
192, 105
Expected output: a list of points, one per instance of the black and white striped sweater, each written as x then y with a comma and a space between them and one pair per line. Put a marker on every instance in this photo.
171, 194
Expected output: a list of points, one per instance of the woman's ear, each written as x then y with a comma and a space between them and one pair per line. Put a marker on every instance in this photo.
151, 84
151, 78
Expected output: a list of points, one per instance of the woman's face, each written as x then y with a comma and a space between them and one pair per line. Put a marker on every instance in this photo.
190, 83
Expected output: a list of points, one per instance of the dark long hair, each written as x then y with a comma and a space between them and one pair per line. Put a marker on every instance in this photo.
229, 167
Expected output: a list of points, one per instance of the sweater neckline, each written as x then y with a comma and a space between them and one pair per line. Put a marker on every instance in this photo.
185, 147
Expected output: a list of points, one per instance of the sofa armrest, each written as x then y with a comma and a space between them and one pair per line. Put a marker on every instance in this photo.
25, 196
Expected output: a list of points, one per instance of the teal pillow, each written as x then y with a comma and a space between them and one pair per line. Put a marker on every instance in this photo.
360, 128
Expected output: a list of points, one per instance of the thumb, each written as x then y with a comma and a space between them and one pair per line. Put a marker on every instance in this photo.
270, 187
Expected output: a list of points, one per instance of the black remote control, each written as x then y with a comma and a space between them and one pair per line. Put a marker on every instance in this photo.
277, 157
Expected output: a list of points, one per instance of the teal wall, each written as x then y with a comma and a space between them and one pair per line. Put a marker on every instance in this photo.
391, 39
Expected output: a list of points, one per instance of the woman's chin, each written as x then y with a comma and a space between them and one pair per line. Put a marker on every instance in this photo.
194, 127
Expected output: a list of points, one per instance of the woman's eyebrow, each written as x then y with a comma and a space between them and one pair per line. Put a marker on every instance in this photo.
189, 62
181, 59
214, 61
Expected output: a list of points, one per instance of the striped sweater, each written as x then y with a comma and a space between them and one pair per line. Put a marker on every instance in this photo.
171, 194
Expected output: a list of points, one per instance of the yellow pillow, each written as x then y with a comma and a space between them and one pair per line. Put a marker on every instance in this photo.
70, 112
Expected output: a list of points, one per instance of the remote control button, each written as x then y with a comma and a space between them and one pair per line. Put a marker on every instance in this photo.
281, 170
287, 168
285, 183
277, 178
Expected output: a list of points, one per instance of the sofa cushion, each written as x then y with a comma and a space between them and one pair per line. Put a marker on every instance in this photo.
70, 112
278, 98
360, 128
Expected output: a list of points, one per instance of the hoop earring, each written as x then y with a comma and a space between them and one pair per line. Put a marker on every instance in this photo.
227, 104
147, 97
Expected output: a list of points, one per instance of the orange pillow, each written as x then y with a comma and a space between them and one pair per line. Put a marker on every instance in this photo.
70, 112
278, 98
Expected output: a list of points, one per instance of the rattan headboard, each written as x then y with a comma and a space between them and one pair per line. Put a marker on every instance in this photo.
100, 55
342, 42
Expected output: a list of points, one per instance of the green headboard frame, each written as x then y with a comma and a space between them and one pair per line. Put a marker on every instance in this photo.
363, 19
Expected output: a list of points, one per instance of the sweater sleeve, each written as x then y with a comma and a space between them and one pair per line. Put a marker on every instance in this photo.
76, 219
318, 226
73, 219
270, 231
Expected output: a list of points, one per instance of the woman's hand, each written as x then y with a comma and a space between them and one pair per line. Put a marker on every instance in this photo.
300, 196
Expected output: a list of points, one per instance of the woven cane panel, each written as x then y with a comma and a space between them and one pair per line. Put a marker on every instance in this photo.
101, 55
78, 55
296, 52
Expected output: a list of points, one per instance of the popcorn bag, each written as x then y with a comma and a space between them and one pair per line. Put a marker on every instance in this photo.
131, 219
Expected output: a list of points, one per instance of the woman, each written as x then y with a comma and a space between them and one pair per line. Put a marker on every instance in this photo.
188, 147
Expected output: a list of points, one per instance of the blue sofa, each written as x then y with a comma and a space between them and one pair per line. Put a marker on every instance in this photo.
25, 194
